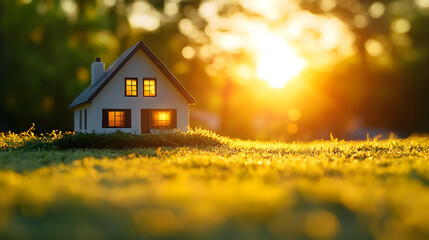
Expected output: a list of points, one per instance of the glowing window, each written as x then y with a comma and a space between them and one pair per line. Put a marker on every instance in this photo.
161, 118
116, 119
131, 87
149, 87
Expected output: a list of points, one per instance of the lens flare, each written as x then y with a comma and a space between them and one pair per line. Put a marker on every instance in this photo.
278, 62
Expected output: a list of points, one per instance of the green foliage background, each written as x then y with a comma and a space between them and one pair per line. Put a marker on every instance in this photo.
45, 58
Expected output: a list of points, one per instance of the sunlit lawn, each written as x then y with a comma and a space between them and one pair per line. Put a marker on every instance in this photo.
235, 190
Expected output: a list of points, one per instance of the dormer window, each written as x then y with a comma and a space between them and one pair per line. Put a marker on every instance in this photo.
149, 87
131, 87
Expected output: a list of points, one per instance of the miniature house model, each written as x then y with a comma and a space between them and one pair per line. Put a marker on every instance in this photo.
136, 94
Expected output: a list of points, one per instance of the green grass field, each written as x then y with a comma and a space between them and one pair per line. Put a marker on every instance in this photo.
202, 186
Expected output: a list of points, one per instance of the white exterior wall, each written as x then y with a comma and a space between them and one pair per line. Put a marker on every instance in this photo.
76, 118
112, 96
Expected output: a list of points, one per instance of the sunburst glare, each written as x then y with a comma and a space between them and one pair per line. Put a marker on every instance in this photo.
278, 62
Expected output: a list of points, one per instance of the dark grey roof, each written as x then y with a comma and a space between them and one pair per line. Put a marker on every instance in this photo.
91, 92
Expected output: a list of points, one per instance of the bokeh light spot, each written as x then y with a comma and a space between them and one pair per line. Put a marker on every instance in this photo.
47, 103
360, 21
373, 47
294, 114
186, 26
171, 8
204, 52
377, 9
36, 35
208, 9
143, 16
42, 8
328, 5
354, 5
400, 25
422, 3
109, 3
82, 75
188, 52
70, 8
219, 62
26, 1
292, 128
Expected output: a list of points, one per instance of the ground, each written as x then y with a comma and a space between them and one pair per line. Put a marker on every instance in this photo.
373, 189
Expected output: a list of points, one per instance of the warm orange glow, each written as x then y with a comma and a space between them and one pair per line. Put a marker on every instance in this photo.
144, 16
292, 128
279, 49
278, 62
294, 114
161, 118
116, 119
131, 87
149, 88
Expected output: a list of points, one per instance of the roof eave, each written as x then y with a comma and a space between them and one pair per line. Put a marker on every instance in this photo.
140, 45
161, 66
71, 106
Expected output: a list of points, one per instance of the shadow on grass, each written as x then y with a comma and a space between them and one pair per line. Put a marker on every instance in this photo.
27, 160
120, 140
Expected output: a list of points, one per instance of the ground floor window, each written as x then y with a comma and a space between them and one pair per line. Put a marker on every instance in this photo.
158, 119
116, 118
161, 118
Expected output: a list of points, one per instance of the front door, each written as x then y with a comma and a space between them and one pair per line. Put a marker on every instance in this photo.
145, 121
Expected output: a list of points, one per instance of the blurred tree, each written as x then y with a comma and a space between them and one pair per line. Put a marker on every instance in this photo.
46, 48
384, 42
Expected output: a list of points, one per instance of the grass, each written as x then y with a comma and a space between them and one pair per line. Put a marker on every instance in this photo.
118, 140
199, 185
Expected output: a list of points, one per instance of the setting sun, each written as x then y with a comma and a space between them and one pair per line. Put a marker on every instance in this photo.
278, 62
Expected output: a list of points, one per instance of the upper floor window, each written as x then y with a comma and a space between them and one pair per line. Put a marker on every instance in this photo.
131, 87
149, 87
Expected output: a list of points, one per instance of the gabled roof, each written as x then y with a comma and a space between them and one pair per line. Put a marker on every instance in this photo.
91, 92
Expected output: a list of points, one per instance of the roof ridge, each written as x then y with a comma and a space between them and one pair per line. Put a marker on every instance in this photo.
92, 91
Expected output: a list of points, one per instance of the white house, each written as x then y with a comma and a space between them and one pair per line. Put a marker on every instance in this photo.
136, 94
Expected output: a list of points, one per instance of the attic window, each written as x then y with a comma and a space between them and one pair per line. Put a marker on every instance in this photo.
161, 119
149, 87
131, 87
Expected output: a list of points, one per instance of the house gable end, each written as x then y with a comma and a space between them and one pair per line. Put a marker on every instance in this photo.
88, 95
